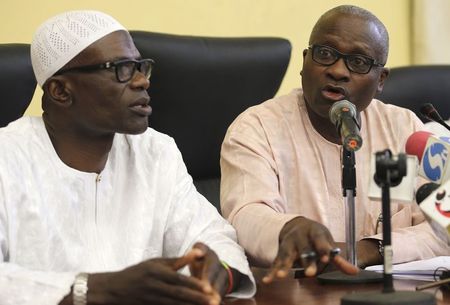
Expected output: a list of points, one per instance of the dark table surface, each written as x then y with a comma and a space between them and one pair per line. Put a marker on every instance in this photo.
308, 291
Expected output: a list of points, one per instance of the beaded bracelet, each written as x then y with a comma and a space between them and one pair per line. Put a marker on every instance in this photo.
230, 276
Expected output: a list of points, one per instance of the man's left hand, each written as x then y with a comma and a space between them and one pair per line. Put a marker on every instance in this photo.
208, 268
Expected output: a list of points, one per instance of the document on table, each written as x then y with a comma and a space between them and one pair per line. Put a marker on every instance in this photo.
424, 270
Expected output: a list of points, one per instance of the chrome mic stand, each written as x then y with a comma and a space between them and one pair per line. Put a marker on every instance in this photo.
349, 192
345, 117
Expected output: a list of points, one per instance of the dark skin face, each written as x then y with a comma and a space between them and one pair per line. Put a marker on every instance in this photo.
99, 103
83, 110
325, 85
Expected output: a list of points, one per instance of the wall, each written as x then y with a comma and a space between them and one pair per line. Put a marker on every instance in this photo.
292, 19
430, 29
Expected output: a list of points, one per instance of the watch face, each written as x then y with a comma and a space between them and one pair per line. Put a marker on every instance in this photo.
80, 289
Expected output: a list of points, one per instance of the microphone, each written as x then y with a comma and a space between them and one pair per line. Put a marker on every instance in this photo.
429, 112
343, 115
434, 201
432, 152
403, 192
425, 190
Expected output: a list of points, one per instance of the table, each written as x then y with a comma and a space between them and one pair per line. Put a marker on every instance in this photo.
308, 291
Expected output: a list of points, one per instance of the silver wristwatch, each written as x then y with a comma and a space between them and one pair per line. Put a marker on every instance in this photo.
381, 247
80, 289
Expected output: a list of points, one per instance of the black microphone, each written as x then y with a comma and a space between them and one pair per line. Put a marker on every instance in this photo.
429, 112
343, 115
425, 190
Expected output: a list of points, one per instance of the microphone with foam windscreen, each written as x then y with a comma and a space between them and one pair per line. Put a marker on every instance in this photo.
434, 201
432, 152
343, 115
429, 112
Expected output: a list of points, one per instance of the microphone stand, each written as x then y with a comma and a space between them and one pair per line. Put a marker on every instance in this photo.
439, 121
349, 192
442, 122
388, 173
430, 113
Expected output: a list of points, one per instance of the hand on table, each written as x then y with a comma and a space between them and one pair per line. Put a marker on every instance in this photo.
155, 281
302, 235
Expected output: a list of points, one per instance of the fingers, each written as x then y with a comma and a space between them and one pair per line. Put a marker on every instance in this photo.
322, 243
196, 269
167, 274
207, 266
188, 258
208, 269
201, 246
156, 280
190, 288
309, 242
311, 269
287, 254
345, 266
341, 263
164, 290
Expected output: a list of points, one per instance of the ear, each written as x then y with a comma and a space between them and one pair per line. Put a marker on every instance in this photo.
305, 51
58, 89
383, 76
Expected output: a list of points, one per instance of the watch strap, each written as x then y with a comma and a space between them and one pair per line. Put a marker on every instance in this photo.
80, 289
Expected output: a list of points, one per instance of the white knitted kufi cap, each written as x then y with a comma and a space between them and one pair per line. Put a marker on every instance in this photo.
58, 40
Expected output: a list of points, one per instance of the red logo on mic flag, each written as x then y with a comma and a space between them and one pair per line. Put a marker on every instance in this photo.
442, 204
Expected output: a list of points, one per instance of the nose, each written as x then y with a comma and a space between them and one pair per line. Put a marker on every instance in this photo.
139, 81
339, 70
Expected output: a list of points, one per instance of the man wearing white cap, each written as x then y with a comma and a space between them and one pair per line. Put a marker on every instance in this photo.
95, 207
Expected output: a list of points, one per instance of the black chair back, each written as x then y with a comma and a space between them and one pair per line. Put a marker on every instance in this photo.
199, 86
17, 81
410, 87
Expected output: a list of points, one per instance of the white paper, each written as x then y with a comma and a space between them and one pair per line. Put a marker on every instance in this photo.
424, 270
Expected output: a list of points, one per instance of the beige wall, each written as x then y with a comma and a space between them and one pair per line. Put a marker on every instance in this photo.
292, 19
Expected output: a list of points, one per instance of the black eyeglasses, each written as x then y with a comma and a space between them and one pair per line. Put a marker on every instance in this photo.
124, 68
357, 63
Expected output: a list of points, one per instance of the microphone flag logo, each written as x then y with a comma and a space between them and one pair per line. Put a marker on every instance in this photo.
445, 139
443, 203
434, 160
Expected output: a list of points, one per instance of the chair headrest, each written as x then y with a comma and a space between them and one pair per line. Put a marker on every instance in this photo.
17, 81
200, 84
412, 86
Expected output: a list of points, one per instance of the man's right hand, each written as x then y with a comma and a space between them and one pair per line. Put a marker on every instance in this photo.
155, 281
302, 235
